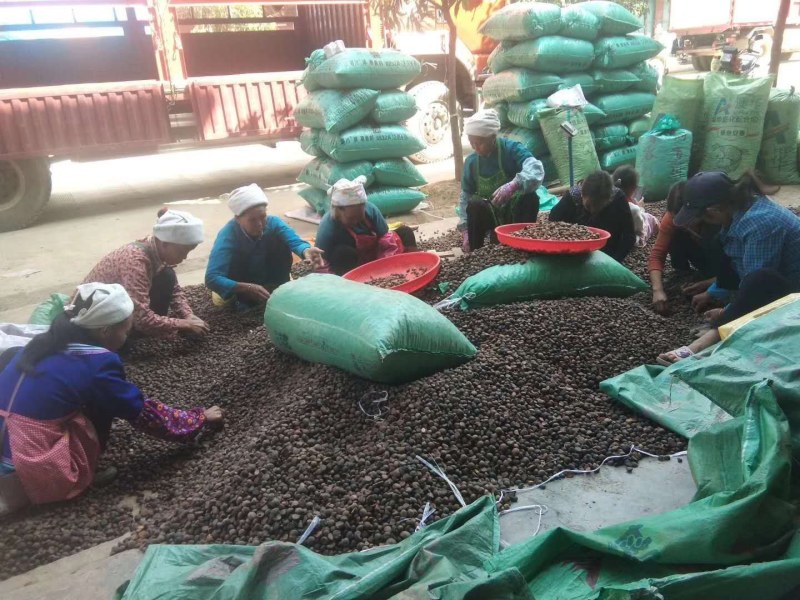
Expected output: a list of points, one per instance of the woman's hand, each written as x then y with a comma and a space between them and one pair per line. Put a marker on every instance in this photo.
253, 292
213, 414
698, 287
314, 256
194, 325
660, 303
504, 192
702, 302
465, 248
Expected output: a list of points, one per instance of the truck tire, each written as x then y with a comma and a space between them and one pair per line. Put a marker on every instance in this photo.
432, 123
701, 63
24, 191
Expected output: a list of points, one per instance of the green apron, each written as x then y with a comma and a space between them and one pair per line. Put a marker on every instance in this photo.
487, 186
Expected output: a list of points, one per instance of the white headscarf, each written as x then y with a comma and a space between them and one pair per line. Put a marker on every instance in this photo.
244, 198
179, 227
484, 123
110, 305
348, 193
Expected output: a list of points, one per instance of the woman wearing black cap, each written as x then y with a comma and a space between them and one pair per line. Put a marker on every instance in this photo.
761, 241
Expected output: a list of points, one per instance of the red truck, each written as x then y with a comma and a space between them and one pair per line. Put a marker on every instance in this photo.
89, 79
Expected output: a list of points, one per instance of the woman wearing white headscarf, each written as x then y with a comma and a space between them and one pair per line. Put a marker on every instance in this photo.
499, 182
353, 232
252, 254
146, 269
60, 394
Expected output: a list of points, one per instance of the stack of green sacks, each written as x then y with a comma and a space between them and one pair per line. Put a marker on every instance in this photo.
544, 48
354, 131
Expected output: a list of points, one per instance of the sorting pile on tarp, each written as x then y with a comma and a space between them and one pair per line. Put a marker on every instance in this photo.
544, 48
737, 538
357, 131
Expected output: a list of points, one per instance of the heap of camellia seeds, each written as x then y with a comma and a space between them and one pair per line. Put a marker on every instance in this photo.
557, 231
388, 281
296, 444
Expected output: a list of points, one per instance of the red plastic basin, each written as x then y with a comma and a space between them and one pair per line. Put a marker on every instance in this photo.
549, 246
398, 265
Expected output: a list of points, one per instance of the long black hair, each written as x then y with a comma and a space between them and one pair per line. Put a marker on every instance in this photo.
56, 339
675, 197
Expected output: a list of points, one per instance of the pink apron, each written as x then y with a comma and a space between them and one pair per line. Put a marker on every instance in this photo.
54, 459
368, 246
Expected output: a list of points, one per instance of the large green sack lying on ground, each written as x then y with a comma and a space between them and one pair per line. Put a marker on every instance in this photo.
309, 142
648, 78
334, 110
394, 106
579, 23
322, 173
532, 139
614, 159
584, 155
546, 277
777, 159
46, 312
519, 85
662, 158
370, 143
398, 338
588, 85
382, 69
318, 200
523, 21
624, 51
553, 53
393, 200
614, 18
625, 106
608, 137
733, 122
398, 172
638, 127
614, 81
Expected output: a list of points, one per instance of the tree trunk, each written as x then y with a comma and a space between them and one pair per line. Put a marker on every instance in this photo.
777, 40
452, 91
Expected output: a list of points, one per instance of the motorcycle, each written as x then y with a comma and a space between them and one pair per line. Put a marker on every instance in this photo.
738, 62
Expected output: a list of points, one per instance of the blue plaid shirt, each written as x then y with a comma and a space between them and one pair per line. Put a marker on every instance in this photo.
765, 236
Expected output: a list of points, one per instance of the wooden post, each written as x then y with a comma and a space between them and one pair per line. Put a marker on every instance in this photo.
452, 88
777, 40
167, 42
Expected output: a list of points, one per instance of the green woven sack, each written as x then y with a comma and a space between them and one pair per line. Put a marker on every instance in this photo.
398, 172
523, 21
526, 114
593, 114
614, 81
370, 143
334, 110
662, 158
323, 172
497, 59
309, 142
46, 312
648, 78
501, 108
624, 51
584, 154
532, 139
519, 85
318, 200
734, 108
614, 18
579, 23
400, 338
392, 200
549, 166
545, 277
624, 107
638, 127
777, 159
588, 85
382, 69
552, 53
394, 106
613, 159
609, 137
681, 97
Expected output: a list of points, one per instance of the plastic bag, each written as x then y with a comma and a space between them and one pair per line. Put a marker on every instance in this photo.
588, 85
625, 106
383, 69
662, 158
309, 142
547, 277
519, 85
523, 21
393, 200
321, 318
584, 155
614, 18
317, 199
46, 312
567, 98
777, 159
397, 172
322, 173
532, 139
370, 143
624, 51
18, 336
552, 54
614, 159
394, 106
608, 137
614, 81
733, 122
579, 23
334, 110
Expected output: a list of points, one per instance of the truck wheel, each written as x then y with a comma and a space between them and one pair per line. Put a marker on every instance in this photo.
24, 191
432, 123
701, 63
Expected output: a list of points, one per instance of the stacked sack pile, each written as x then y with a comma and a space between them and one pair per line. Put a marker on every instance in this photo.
355, 130
544, 48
